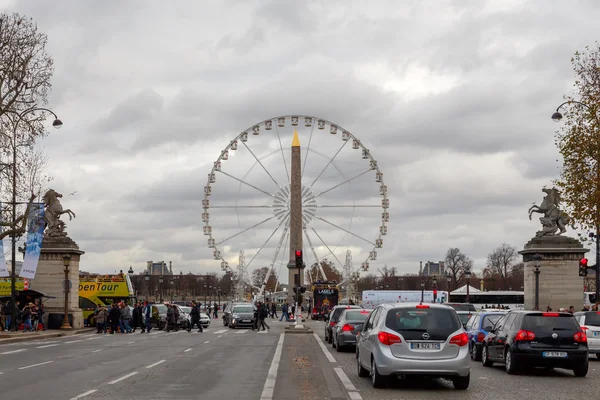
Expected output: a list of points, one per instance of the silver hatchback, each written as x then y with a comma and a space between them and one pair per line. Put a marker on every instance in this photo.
414, 339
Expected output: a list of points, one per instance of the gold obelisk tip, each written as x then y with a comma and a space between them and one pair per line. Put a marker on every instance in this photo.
295, 141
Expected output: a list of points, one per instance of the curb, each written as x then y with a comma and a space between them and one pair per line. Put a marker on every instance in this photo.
18, 339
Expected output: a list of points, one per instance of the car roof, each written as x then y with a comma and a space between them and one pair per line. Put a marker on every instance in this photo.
413, 305
345, 306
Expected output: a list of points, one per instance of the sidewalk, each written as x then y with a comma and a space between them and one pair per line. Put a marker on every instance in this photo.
16, 337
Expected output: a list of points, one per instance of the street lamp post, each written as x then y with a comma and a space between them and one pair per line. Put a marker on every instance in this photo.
557, 117
422, 290
434, 283
67, 286
147, 279
160, 287
468, 276
130, 273
13, 290
448, 280
171, 282
536, 264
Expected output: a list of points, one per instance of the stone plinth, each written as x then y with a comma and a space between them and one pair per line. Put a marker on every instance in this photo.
560, 283
51, 274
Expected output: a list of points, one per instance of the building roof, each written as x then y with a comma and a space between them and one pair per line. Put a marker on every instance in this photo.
463, 289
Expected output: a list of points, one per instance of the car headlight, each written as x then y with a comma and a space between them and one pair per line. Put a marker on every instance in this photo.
235, 316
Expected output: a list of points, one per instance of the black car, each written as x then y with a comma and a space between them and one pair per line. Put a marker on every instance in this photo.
522, 339
241, 315
334, 317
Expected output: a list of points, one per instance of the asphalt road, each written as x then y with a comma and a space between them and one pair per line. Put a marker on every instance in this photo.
240, 364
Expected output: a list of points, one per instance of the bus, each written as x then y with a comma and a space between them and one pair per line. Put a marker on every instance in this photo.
589, 298
325, 297
103, 290
373, 298
510, 298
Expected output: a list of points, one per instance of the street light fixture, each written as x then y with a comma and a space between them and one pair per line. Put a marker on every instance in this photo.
557, 117
468, 276
448, 279
66, 326
13, 289
537, 258
422, 290
147, 279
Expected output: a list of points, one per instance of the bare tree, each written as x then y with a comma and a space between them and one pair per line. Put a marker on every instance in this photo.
331, 271
501, 260
456, 262
259, 276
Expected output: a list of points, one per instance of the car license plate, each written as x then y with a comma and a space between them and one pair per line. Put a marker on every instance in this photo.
559, 354
596, 334
425, 346
246, 320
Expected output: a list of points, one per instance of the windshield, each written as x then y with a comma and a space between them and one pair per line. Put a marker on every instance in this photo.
490, 320
186, 310
464, 318
592, 318
412, 322
554, 321
161, 308
358, 316
243, 309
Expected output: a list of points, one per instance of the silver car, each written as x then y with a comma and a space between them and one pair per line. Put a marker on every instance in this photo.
414, 339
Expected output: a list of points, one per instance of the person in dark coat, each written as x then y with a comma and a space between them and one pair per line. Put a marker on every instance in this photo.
114, 318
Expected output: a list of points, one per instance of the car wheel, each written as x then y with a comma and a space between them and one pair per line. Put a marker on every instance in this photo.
378, 380
461, 382
509, 363
362, 372
333, 344
485, 357
337, 345
475, 353
581, 370
225, 322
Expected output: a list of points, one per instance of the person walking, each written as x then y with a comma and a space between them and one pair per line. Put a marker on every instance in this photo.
170, 317
195, 318
256, 316
147, 312
216, 311
263, 312
100, 317
114, 318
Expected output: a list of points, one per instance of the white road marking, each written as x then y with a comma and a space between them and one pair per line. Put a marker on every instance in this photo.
84, 394
155, 364
14, 351
269, 388
242, 331
156, 333
220, 336
94, 338
74, 341
186, 350
220, 331
130, 342
36, 365
345, 380
48, 345
96, 351
91, 334
355, 396
207, 341
322, 346
123, 378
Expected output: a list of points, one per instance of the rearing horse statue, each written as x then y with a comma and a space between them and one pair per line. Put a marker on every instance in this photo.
54, 226
553, 218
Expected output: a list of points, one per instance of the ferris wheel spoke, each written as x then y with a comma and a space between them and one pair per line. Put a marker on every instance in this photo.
245, 230
329, 163
312, 249
241, 206
350, 206
307, 150
261, 164
265, 243
247, 184
325, 244
285, 245
277, 250
342, 183
345, 230
282, 153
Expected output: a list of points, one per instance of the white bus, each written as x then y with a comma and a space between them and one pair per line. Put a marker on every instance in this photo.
373, 298
509, 298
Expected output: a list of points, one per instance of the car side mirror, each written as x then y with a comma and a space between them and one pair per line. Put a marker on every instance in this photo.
488, 328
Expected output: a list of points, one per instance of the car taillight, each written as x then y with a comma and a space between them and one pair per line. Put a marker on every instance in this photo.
580, 337
480, 337
347, 328
550, 314
460, 340
332, 323
524, 335
388, 338
584, 328
422, 306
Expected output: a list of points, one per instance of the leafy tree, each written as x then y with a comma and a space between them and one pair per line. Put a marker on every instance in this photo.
578, 142
259, 275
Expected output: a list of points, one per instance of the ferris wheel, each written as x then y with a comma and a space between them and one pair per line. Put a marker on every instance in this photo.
246, 204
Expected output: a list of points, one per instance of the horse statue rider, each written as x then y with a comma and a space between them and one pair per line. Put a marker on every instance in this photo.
53, 210
553, 219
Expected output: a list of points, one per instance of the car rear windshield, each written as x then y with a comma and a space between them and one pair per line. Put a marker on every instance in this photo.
550, 322
490, 320
243, 309
335, 316
358, 316
464, 318
592, 318
412, 323
462, 307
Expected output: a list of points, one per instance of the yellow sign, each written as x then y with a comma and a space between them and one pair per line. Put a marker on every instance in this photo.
5, 286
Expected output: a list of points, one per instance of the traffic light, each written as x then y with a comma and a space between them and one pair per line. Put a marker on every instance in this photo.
299, 261
583, 266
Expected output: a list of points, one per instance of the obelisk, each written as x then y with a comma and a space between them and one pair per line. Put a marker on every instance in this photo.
295, 216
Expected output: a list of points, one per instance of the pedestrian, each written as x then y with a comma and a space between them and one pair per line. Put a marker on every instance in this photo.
263, 313
256, 316
114, 318
101, 320
170, 317
147, 312
195, 318
284, 313
273, 310
216, 311
40, 314
125, 318
176, 315
26, 316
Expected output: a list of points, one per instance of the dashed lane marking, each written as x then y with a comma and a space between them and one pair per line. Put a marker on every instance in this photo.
208, 341
14, 351
74, 341
220, 331
46, 346
269, 388
242, 331
186, 350
82, 395
89, 335
97, 351
123, 378
155, 364
345, 380
322, 346
36, 365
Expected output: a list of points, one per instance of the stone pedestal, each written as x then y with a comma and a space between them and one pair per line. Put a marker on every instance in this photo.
50, 276
559, 281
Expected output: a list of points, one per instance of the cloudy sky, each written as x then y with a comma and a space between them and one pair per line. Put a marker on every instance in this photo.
453, 99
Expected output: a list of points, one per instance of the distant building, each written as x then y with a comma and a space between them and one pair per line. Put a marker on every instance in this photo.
159, 268
431, 268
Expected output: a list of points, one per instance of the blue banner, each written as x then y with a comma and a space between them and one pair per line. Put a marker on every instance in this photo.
35, 234
3, 267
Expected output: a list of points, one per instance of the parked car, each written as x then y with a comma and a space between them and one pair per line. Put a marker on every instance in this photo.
590, 323
158, 315
334, 316
204, 320
413, 339
478, 327
532, 339
349, 324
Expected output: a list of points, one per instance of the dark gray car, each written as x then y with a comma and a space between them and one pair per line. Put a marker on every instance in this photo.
242, 316
334, 315
345, 331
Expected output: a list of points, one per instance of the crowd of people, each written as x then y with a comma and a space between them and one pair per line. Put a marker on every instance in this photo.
31, 316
